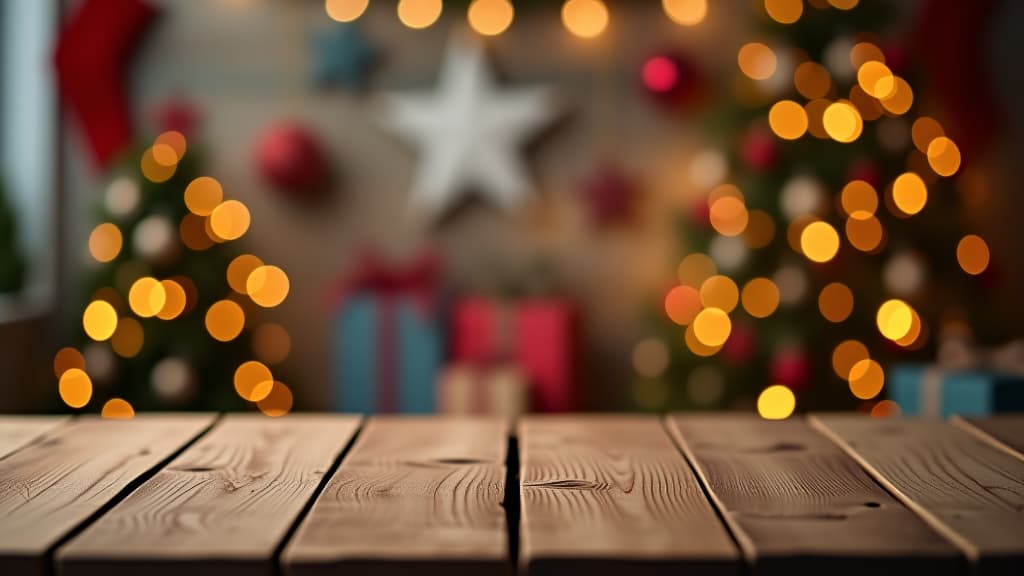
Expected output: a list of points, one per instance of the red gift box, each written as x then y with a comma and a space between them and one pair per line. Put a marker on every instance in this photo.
535, 335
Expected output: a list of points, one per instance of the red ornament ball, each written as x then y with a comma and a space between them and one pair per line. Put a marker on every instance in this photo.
759, 149
741, 345
291, 160
791, 367
671, 79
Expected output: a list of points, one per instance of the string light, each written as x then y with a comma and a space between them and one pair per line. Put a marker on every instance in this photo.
819, 241
695, 268
154, 171
784, 11
812, 80
864, 52
685, 12
278, 402
682, 303
972, 254
901, 99
760, 297
202, 195
776, 402
267, 286
585, 18
760, 230
894, 319
909, 193
943, 156
105, 242
225, 320
876, 79
712, 327
175, 300
490, 17
271, 343
859, 199
845, 355
835, 302
67, 358
147, 297
696, 346
253, 381
75, 388
923, 131
99, 320
787, 119
117, 409
842, 122
128, 338
864, 234
719, 292
239, 270
757, 61
419, 14
866, 379
885, 409
173, 141
229, 220
345, 10
728, 216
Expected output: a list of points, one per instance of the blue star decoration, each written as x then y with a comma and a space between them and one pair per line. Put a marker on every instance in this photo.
342, 57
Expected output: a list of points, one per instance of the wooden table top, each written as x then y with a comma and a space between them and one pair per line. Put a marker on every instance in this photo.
312, 494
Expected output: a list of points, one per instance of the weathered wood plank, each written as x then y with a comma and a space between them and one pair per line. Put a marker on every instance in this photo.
18, 431
72, 473
415, 495
1006, 431
797, 505
221, 507
613, 495
966, 489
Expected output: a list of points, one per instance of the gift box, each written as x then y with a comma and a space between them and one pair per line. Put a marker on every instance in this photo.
933, 391
387, 338
495, 390
534, 335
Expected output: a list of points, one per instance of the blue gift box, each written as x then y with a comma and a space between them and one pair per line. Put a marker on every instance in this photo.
933, 391
386, 352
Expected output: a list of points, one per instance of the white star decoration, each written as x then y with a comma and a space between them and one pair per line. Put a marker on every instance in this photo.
468, 132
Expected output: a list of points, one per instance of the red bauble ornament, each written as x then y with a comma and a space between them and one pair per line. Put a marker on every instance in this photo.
741, 345
700, 213
759, 149
609, 196
791, 367
290, 159
672, 79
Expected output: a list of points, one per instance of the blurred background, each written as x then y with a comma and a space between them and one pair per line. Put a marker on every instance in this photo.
499, 206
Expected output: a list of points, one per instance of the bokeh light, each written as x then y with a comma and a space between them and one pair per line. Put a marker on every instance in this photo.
812, 80
760, 297
650, 357
776, 402
154, 171
345, 10
815, 110
923, 131
867, 106
712, 327
128, 338
267, 286
117, 409
864, 52
866, 379
229, 220
239, 270
682, 303
147, 297
916, 329
171, 140
819, 241
901, 99
105, 242
885, 409
844, 4
835, 302
271, 343
75, 387
695, 268
894, 319
418, 14
865, 234
859, 199
490, 17
845, 355
972, 254
842, 122
585, 18
760, 230
685, 12
660, 74
909, 193
784, 11
99, 320
757, 61
193, 232
787, 119
202, 195
253, 381
278, 402
876, 79
66, 359
696, 346
225, 320
943, 156
175, 300
719, 292
728, 216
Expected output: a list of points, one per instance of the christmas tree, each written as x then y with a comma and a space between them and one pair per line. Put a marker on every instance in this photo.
170, 313
828, 240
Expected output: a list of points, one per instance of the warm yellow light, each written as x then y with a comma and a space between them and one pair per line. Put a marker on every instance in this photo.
695, 268
128, 338
650, 357
105, 242
728, 216
267, 286
835, 301
278, 402
760, 297
712, 327
164, 154
867, 106
859, 199
490, 17
787, 119
776, 402
864, 52
812, 80
719, 292
117, 409
815, 110
760, 229
585, 18
866, 379
174, 302
845, 355
784, 11
972, 254
202, 195
225, 320
685, 12
916, 327
943, 156
894, 319
726, 190
153, 170
147, 297
174, 141
682, 303
876, 79
66, 359
757, 61
901, 99
924, 130
842, 122
229, 220
99, 320
239, 270
819, 241
253, 381
696, 346
193, 232
844, 4
885, 409
345, 10
864, 234
909, 193
75, 388
271, 343
418, 14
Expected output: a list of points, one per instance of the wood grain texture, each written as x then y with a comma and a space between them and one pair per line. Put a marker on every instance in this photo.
613, 495
970, 491
415, 495
73, 472
1006, 430
798, 505
221, 507
18, 431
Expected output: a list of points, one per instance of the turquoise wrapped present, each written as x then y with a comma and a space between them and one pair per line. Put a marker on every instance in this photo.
937, 392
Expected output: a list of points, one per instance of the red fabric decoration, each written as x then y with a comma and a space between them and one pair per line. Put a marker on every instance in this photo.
92, 52
417, 279
790, 366
291, 160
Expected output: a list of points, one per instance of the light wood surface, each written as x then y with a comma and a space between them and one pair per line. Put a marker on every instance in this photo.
1005, 431
797, 505
613, 495
17, 431
970, 491
416, 495
222, 507
72, 473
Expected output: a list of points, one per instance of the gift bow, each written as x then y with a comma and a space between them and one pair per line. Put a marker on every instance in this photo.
959, 354
416, 280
